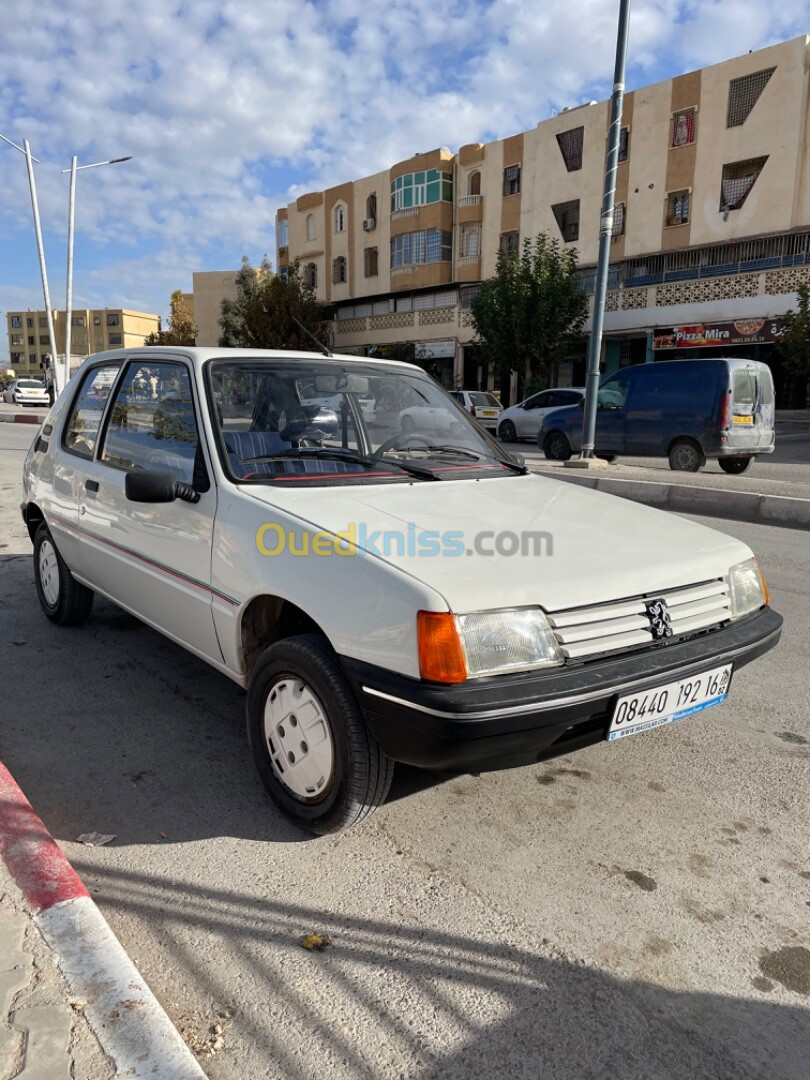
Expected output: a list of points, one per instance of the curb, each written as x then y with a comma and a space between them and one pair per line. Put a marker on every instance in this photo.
20, 418
127, 1019
717, 502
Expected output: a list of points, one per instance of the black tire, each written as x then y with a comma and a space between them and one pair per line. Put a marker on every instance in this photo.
65, 601
361, 772
556, 447
734, 465
507, 432
685, 456
609, 458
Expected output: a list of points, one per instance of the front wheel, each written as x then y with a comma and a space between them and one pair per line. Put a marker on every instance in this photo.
63, 599
507, 432
685, 456
556, 447
734, 465
314, 753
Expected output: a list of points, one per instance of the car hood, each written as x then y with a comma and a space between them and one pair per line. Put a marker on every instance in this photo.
592, 547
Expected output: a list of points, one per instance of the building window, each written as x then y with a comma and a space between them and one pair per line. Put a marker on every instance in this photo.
738, 179
426, 246
113, 320
570, 144
44, 339
32, 358
16, 357
43, 322
311, 275
31, 339
96, 320
282, 233
624, 144
683, 127
471, 240
29, 323
16, 322
115, 339
77, 320
338, 270
509, 243
421, 189
16, 339
511, 180
371, 210
678, 207
310, 226
619, 215
340, 219
370, 262
743, 94
474, 183
567, 216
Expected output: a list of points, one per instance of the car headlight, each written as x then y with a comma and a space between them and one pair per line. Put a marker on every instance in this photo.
513, 640
747, 588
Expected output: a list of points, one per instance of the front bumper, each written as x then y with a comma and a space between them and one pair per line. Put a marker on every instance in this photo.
508, 720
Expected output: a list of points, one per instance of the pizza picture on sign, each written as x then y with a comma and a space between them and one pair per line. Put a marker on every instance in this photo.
749, 327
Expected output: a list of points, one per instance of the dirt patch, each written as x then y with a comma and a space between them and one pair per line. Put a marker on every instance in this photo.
789, 966
647, 884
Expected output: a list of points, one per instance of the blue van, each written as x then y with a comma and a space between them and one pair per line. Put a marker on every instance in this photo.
686, 410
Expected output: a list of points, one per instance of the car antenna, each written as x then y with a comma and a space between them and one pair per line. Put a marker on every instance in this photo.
321, 347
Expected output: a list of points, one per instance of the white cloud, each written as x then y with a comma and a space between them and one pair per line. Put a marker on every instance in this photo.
211, 97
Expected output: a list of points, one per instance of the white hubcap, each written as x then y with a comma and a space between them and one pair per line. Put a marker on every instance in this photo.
298, 738
49, 573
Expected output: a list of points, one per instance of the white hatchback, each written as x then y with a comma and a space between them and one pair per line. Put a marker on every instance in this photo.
382, 594
481, 405
524, 420
26, 392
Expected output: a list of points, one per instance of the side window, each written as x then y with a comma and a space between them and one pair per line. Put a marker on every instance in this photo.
81, 430
152, 423
568, 397
614, 392
765, 387
744, 387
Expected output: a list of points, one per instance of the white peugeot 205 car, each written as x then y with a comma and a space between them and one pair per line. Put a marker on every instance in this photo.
384, 595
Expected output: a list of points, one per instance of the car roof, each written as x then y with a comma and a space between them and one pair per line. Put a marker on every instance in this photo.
198, 355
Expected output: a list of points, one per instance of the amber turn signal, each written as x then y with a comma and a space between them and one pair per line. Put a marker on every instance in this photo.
765, 590
441, 657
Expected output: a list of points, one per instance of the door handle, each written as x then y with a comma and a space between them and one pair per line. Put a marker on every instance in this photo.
91, 485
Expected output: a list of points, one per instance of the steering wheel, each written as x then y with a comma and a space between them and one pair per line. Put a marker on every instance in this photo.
400, 437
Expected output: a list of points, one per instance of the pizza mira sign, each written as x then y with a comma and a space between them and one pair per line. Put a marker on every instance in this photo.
710, 335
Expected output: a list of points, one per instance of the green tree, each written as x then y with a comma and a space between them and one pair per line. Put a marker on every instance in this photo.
182, 330
264, 313
532, 312
795, 344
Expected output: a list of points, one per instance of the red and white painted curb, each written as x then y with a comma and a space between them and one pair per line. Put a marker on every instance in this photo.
123, 1012
20, 418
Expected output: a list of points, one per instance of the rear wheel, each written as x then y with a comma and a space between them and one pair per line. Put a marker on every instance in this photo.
685, 456
556, 447
506, 432
63, 599
734, 465
314, 753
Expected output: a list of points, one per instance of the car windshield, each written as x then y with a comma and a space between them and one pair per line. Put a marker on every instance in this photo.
30, 384
328, 420
484, 400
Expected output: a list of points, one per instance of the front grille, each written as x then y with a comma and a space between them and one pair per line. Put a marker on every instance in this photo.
623, 624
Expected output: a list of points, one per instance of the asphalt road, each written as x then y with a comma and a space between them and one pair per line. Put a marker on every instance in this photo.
633, 910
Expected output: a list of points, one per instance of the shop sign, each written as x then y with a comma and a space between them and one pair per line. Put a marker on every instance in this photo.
710, 335
435, 350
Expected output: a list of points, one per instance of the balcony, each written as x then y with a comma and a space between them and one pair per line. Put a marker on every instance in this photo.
408, 211
397, 271
469, 200
467, 260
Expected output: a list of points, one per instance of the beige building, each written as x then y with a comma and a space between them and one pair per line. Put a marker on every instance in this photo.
91, 332
210, 288
711, 235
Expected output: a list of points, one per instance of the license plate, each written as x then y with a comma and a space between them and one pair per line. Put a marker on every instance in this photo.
650, 709
742, 419
488, 412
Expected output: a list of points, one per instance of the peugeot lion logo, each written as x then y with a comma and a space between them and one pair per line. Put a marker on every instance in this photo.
660, 620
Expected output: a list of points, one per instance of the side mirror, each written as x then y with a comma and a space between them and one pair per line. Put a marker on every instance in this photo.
518, 459
147, 486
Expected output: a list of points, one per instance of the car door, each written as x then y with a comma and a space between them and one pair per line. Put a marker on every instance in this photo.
152, 558
611, 414
61, 469
530, 417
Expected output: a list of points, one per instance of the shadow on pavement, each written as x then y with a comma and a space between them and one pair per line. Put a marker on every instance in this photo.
388, 999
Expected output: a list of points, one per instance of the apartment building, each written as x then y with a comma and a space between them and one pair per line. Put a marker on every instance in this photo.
91, 332
711, 234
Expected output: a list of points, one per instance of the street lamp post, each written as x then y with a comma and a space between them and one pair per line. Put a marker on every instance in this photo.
74, 168
25, 149
605, 235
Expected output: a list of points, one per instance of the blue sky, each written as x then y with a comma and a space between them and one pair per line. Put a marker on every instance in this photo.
233, 108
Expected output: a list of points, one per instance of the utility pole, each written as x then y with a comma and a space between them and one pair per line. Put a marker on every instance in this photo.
605, 235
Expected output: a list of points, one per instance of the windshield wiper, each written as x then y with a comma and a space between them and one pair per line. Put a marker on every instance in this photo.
461, 451
336, 453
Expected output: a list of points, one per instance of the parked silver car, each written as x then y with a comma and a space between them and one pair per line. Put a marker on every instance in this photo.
523, 421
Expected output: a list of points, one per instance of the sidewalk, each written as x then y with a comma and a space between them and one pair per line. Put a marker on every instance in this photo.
73, 1006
